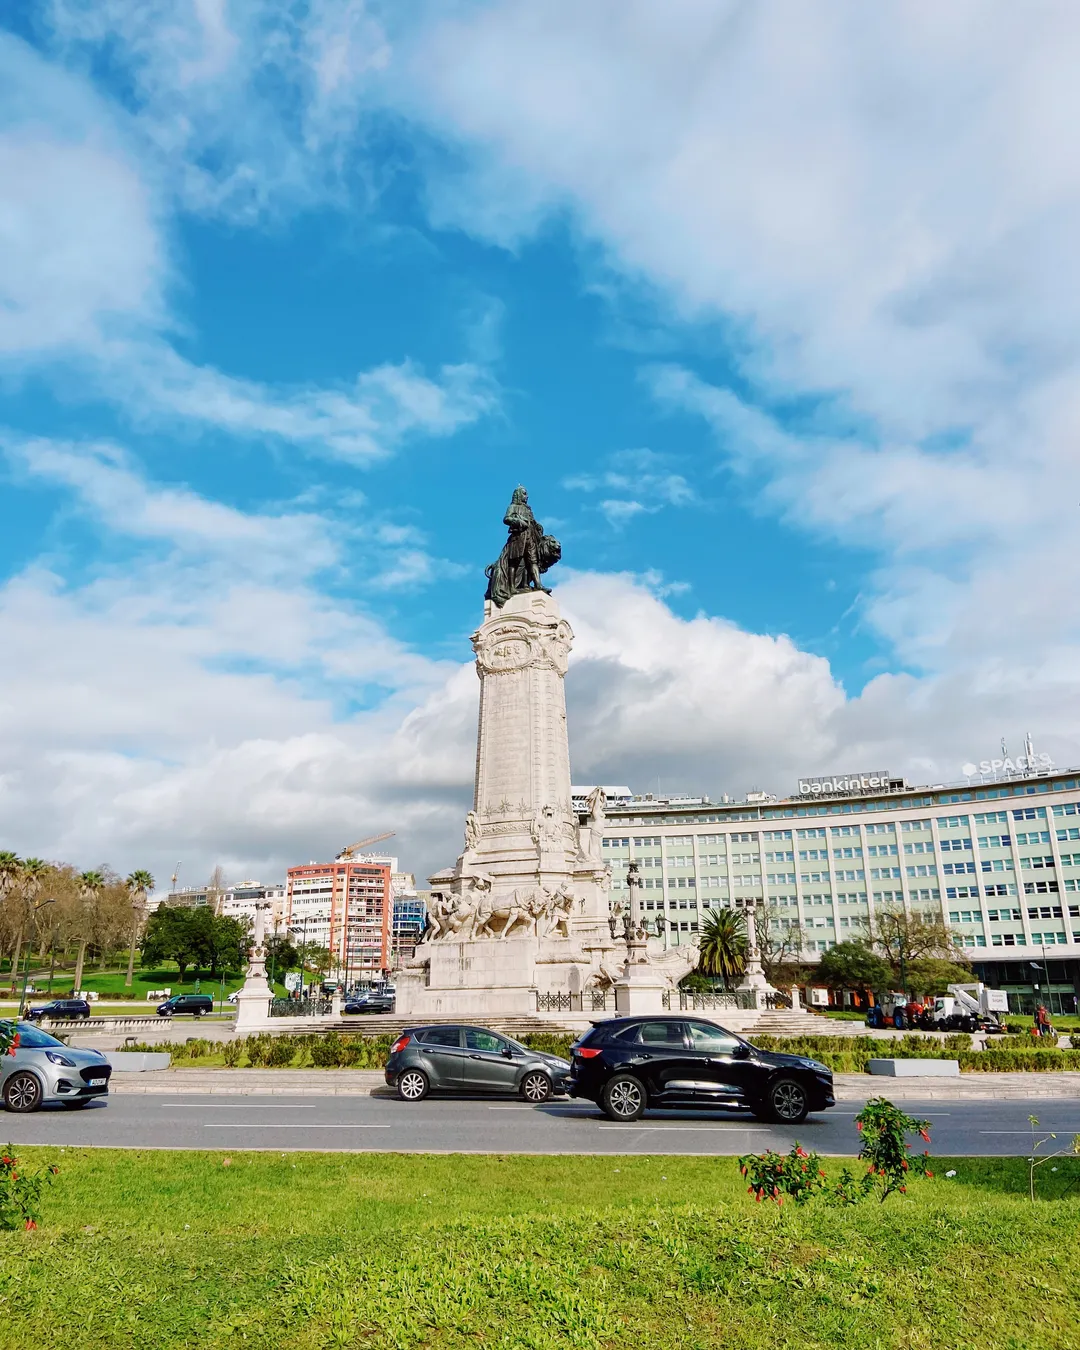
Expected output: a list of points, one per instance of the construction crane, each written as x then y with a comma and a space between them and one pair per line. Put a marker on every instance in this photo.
348, 851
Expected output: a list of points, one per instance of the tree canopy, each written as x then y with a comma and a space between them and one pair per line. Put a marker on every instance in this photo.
195, 938
853, 965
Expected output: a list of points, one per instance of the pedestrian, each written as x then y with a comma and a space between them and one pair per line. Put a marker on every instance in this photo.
1043, 1019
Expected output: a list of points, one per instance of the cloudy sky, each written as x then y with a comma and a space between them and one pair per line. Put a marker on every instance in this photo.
775, 310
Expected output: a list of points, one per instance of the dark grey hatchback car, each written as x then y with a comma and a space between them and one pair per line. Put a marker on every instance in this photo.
470, 1059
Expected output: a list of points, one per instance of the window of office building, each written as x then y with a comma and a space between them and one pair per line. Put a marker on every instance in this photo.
952, 822
846, 830
744, 838
647, 841
992, 818
1030, 813
775, 836
877, 828
909, 826
1033, 837
881, 850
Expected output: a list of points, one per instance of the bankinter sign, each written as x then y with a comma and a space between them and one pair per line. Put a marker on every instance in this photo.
844, 782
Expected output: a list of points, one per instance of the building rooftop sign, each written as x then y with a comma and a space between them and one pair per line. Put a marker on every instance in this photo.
843, 784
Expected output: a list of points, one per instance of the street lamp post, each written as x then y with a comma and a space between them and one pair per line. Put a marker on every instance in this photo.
30, 948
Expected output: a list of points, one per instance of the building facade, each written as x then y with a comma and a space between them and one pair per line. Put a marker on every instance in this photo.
240, 902
999, 862
346, 907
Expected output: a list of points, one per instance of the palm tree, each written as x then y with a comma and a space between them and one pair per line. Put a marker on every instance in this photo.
139, 885
10, 870
31, 879
91, 884
722, 944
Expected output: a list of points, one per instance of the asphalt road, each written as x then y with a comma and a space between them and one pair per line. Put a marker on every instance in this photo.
471, 1125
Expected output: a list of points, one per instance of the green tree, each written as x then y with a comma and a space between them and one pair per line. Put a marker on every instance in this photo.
91, 884
11, 900
905, 938
229, 942
932, 975
853, 965
171, 935
722, 944
139, 885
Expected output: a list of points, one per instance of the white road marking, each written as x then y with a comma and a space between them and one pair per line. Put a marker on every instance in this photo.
344, 1125
243, 1106
687, 1129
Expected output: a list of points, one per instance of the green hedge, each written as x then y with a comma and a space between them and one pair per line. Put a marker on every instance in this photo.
1024, 1061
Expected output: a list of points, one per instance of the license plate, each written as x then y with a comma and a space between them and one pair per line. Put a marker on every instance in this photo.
98, 1082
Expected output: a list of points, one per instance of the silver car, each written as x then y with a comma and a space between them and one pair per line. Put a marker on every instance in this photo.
43, 1069
457, 1058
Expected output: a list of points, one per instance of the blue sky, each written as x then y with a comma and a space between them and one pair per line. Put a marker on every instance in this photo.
774, 321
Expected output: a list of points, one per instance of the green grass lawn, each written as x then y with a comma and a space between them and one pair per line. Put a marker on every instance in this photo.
169, 1250
111, 982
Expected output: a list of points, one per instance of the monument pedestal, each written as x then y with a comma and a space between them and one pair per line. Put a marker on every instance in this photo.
641, 988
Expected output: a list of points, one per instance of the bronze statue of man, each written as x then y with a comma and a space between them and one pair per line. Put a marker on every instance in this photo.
527, 553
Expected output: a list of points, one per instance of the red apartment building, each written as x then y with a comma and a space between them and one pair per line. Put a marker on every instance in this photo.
346, 907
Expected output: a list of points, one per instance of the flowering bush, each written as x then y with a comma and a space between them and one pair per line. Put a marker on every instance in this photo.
20, 1192
797, 1174
884, 1128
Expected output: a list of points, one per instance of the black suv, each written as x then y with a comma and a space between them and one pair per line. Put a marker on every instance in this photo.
630, 1063
196, 1004
68, 1009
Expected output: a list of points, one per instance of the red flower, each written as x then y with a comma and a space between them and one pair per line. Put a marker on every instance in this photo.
903, 1190
929, 1173
924, 1135
30, 1223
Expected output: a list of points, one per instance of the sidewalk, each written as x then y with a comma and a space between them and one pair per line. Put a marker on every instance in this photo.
850, 1087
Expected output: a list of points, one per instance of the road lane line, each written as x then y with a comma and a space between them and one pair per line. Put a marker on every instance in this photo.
244, 1106
245, 1125
689, 1129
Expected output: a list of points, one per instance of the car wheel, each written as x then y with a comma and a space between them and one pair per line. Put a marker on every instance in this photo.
412, 1085
623, 1098
787, 1101
536, 1086
22, 1092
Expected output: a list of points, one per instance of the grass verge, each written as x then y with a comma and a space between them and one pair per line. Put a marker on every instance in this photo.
316, 1250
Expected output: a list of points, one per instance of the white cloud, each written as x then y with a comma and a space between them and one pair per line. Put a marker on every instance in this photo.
881, 207
85, 275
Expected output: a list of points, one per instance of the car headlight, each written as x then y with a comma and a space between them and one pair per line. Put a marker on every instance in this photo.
60, 1059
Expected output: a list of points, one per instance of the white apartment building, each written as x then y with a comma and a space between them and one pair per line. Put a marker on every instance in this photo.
998, 860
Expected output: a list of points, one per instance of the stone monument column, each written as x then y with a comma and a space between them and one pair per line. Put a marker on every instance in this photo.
523, 823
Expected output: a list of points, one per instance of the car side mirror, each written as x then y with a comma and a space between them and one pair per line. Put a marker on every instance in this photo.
508, 1051
742, 1051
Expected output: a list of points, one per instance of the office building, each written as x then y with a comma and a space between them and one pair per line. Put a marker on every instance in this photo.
344, 906
999, 861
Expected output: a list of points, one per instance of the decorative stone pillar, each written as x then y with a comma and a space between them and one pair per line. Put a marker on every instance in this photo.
753, 980
253, 1000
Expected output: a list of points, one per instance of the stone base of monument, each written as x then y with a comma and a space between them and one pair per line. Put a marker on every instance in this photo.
485, 977
253, 1005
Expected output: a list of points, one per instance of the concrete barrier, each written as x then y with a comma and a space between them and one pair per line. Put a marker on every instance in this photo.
136, 1061
915, 1068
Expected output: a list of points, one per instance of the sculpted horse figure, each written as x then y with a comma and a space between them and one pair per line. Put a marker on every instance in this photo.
511, 910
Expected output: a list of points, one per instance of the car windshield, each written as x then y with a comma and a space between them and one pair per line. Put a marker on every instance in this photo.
33, 1038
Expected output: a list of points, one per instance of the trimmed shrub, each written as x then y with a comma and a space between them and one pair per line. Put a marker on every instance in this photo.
281, 1052
232, 1052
